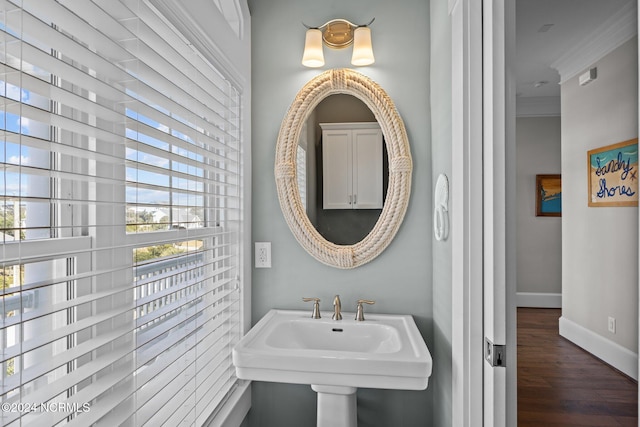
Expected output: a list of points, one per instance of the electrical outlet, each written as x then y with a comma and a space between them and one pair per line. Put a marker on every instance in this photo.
263, 254
612, 325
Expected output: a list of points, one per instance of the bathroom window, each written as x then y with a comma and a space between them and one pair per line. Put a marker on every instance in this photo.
120, 218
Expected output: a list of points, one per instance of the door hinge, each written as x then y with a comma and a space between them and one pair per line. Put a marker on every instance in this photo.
495, 354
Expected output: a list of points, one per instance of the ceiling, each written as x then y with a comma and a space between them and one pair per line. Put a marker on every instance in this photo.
545, 31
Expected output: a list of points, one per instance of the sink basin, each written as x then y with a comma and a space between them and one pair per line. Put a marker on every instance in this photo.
384, 351
316, 334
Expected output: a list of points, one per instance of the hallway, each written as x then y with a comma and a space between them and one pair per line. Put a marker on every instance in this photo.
559, 384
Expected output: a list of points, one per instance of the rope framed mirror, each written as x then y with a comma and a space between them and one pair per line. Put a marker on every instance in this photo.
344, 81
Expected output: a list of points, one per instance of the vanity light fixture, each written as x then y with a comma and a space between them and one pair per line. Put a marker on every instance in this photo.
338, 34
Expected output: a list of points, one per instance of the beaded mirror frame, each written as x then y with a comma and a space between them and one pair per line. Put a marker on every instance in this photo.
344, 81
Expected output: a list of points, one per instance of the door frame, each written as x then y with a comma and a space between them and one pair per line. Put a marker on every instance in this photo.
499, 204
466, 212
483, 274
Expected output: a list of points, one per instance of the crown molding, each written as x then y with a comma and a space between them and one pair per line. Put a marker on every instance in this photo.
538, 106
612, 33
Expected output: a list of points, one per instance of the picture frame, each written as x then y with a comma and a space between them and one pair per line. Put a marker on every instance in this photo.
549, 195
613, 174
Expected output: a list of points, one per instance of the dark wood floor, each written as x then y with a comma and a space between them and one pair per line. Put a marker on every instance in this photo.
559, 384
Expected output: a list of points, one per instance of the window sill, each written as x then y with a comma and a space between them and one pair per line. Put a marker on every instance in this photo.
234, 410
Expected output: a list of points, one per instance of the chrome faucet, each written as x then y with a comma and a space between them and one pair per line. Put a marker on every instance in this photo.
337, 308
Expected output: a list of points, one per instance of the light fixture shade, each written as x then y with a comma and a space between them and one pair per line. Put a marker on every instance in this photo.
313, 56
362, 49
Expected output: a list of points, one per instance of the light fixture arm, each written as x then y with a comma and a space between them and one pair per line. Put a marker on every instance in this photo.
326, 24
370, 22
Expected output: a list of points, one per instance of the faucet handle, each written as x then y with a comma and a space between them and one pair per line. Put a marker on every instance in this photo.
360, 311
316, 306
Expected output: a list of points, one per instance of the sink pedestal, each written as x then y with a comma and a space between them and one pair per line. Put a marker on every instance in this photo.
336, 406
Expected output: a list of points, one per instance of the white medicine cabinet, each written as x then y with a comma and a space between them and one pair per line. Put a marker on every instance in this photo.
352, 165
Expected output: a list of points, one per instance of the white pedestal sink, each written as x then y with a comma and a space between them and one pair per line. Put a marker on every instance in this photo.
335, 357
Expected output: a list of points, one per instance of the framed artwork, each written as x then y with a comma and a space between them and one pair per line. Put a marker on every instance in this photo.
548, 195
613, 174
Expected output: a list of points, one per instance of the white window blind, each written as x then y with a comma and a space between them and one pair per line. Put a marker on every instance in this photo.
120, 218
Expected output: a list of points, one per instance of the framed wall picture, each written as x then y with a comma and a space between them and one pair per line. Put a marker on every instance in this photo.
548, 195
613, 174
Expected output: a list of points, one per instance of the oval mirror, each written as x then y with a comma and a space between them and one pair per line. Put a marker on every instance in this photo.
340, 149
331, 82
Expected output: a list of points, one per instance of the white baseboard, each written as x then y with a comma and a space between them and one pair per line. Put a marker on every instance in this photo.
538, 300
610, 352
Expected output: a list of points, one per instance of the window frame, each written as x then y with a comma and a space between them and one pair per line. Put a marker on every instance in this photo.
28, 249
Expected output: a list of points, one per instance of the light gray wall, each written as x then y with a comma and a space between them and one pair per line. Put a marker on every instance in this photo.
400, 279
441, 162
600, 244
539, 239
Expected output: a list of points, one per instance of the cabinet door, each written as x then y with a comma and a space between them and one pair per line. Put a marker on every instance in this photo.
367, 168
336, 169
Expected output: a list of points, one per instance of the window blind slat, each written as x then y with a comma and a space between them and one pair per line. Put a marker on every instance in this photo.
112, 410
134, 39
67, 357
110, 386
147, 372
89, 393
215, 396
86, 371
74, 126
180, 303
219, 386
170, 48
148, 341
39, 311
190, 417
108, 72
41, 63
44, 338
147, 13
224, 153
215, 342
45, 89
28, 141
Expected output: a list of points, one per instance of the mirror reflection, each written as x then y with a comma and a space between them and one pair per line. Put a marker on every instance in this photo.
318, 175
